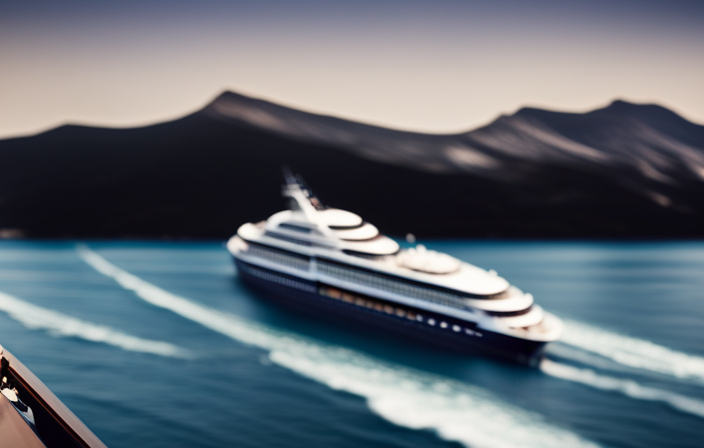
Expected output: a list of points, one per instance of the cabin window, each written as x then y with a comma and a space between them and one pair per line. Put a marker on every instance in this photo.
456, 328
443, 324
431, 321
279, 258
334, 293
295, 228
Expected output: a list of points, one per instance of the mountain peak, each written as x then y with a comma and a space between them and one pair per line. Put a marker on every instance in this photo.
622, 106
230, 97
617, 105
622, 103
255, 111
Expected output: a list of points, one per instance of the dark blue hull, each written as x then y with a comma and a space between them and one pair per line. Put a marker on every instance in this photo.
445, 331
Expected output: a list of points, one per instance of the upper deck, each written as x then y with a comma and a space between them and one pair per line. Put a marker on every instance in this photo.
416, 265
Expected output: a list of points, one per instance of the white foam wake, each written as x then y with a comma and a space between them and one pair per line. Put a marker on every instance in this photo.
57, 324
456, 411
633, 352
564, 351
624, 386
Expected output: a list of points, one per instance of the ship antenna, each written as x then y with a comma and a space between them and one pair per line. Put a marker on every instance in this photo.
289, 177
295, 180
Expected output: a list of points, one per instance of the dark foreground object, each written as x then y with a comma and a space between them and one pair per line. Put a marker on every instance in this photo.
623, 171
55, 426
305, 296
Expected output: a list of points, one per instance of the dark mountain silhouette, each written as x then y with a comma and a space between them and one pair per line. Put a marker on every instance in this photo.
626, 170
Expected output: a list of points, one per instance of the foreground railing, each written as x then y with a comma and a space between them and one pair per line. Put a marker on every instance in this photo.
54, 425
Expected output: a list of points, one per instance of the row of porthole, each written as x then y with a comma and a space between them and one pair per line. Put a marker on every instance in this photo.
388, 309
455, 328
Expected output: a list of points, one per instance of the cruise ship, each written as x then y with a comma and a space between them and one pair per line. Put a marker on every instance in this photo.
313, 257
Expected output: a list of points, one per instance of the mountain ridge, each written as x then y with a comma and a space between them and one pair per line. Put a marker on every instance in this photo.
625, 170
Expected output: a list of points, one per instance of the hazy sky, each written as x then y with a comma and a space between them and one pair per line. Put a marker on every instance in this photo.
437, 66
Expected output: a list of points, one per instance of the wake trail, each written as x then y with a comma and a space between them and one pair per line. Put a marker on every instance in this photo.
627, 387
61, 325
633, 352
412, 399
563, 351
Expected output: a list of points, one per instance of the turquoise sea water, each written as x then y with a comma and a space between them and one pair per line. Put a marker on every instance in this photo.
159, 345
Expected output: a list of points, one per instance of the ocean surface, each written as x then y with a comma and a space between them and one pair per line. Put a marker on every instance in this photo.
160, 345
